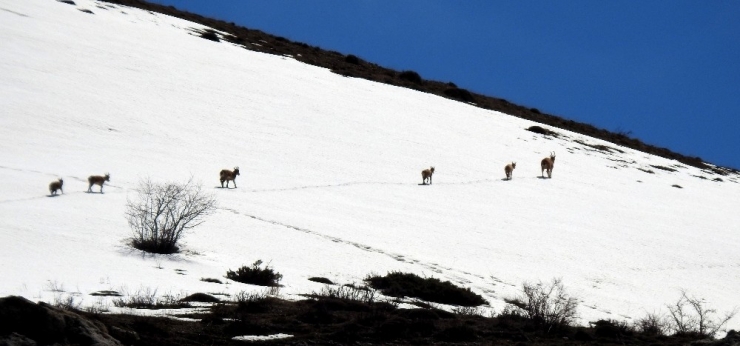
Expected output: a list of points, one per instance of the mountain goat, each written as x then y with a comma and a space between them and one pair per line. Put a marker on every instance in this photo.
509, 170
97, 180
227, 175
427, 174
547, 165
56, 185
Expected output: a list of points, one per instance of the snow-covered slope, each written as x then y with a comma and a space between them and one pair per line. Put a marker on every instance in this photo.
330, 177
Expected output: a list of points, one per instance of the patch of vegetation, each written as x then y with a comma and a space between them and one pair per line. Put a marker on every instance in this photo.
352, 59
210, 35
105, 294
86, 11
256, 275
253, 302
668, 169
543, 131
148, 299
652, 324
547, 305
397, 284
325, 320
200, 297
677, 186
612, 329
410, 76
67, 2
599, 147
212, 280
347, 292
460, 94
161, 213
646, 170
321, 280
691, 316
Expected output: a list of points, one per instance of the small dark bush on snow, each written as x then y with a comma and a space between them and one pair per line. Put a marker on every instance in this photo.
210, 35
612, 328
200, 297
397, 284
410, 76
321, 280
256, 275
543, 131
460, 94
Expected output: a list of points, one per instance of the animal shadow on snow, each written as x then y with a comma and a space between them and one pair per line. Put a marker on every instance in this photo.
52, 195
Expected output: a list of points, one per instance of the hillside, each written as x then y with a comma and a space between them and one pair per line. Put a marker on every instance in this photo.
330, 177
352, 66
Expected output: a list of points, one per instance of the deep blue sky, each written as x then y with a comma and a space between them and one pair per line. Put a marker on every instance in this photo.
668, 71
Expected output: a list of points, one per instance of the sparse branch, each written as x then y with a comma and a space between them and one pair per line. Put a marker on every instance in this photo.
690, 315
163, 211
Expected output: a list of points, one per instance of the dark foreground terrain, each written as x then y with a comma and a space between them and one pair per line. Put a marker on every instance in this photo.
314, 321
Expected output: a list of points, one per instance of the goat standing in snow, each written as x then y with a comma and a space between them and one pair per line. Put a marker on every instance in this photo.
56, 185
427, 174
227, 175
97, 180
509, 170
547, 165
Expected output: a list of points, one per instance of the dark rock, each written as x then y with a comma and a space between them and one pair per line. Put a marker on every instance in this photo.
45, 324
16, 339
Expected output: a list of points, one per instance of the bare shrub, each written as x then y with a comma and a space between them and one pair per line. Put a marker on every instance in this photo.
67, 302
146, 298
162, 212
692, 316
548, 305
652, 324
467, 311
249, 297
347, 292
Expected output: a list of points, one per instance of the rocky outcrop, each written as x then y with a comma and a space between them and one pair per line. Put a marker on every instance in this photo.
23, 322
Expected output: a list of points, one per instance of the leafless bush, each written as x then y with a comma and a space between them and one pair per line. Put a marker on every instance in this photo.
692, 316
348, 292
98, 308
146, 298
162, 212
547, 304
467, 311
249, 297
67, 302
652, 324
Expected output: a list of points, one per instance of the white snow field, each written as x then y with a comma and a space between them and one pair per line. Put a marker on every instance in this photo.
330, 183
